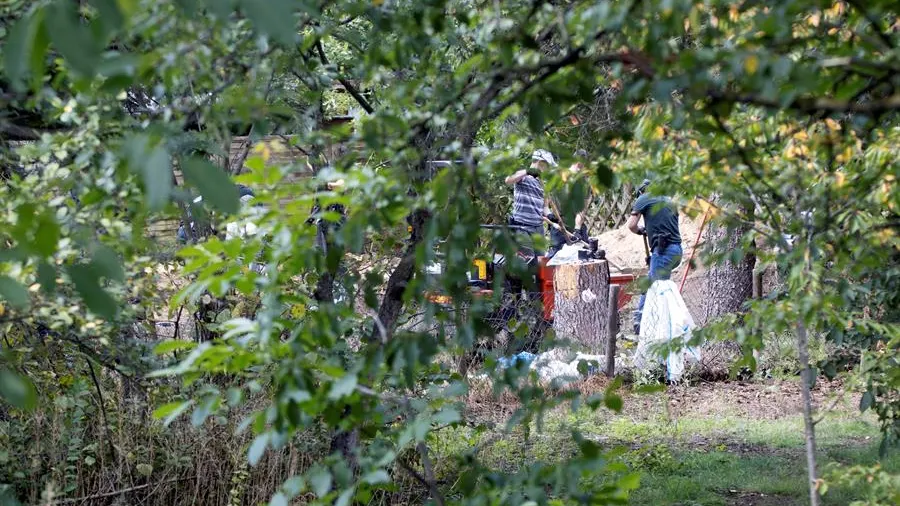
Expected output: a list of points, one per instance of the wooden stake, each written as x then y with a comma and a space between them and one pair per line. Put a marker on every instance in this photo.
612, 327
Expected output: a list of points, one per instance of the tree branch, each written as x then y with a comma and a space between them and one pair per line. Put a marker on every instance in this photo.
811, 105
429, 474
354, 92
885, 39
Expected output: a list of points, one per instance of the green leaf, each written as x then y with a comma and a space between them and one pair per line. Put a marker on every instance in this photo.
294, 485
154, 165
342, 387
188, 6
866, 401
630, 482
157, 175
8, 496
447, 416
21, 44
14, 293
46, 235
88, 286
376, 477
171, 345
169, 412
273, 17
258, 448
279, 499
613, 402
319, 479
17, 390
222, 9
106, 263
46, 277
110, 19
537, 115
650, 389
209, 405
589, 449
345, 497
71, 37
214, 185
604, 175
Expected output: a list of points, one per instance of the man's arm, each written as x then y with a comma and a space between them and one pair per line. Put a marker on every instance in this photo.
518, 176
633, 224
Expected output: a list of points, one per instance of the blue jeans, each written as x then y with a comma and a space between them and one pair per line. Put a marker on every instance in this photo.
662, 262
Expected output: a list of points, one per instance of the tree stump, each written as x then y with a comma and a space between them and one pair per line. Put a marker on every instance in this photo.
581, 303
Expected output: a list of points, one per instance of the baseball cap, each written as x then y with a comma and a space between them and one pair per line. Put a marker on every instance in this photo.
544, 155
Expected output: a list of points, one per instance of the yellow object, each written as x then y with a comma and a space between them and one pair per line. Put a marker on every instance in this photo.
439, 299
482, 269
751, 63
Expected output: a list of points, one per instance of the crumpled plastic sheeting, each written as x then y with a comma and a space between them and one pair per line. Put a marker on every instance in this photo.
568, 254
557, 371
665, 317
558, 366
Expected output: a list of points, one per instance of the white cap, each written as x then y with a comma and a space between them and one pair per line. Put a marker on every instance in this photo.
544, 155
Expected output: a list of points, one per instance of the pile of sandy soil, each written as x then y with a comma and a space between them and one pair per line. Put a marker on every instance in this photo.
625, 250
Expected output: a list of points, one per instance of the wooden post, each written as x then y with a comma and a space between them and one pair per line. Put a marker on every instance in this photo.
612, 329
757, 284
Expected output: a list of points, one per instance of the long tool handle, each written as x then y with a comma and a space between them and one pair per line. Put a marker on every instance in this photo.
690, 258
647, 250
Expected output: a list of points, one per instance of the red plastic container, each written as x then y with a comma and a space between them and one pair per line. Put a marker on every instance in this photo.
545, 278
622, 280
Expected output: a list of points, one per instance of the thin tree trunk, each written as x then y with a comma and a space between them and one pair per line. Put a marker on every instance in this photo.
806, 376
392, 303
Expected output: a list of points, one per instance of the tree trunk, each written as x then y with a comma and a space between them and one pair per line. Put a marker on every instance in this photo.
727, 285
392, 303
581, 303
806, 379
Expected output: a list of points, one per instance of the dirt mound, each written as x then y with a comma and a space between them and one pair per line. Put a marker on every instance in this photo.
625, 250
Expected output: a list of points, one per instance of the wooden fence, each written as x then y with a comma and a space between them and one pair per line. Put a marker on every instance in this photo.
610, 210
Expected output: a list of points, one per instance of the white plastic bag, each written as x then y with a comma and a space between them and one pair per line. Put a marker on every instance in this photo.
665, 318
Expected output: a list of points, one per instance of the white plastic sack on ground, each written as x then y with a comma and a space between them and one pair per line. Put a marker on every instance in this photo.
665, 317
556, 372
568, 254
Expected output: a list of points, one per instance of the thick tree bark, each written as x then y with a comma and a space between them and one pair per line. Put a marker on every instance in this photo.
582, 303
728, 285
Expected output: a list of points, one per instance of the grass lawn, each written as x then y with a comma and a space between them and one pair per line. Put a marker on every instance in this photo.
729, 444
751, 478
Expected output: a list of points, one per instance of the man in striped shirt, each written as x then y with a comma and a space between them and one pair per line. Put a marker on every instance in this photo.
528, 194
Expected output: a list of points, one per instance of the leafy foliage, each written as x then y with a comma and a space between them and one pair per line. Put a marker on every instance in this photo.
786, 112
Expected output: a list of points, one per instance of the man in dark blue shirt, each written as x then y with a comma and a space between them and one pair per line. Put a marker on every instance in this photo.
661, 228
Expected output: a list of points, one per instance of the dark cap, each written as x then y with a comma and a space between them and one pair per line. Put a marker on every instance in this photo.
243, 191
643, 188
